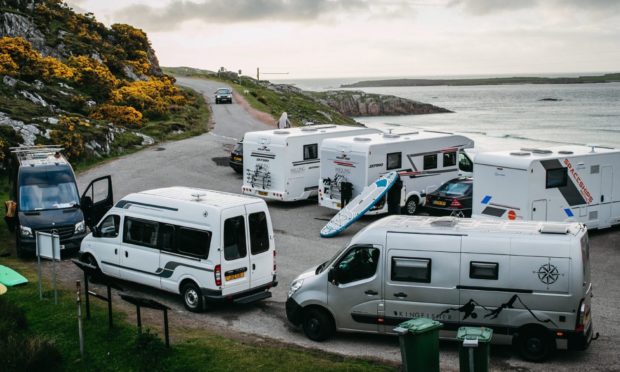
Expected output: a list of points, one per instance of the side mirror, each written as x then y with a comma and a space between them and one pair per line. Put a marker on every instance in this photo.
96, 232
332, 276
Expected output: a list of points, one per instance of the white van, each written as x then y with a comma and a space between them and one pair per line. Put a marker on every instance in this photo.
424, 160
208, 246
529, 281
565, 183
283, 164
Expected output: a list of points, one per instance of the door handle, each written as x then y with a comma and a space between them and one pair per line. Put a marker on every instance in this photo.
115, 250
371, 292
253, 266
400, 295
602, 198
126, 254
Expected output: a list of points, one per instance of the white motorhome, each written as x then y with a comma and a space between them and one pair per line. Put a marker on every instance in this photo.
424, 160
208, 246
283, 164
528, 281
565, 183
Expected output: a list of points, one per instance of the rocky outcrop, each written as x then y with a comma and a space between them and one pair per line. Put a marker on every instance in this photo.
28, 132
17, 25
357, 103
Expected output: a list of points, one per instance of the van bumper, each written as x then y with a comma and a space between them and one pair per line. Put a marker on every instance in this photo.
293, 312
245, 297
71, 244
579, 340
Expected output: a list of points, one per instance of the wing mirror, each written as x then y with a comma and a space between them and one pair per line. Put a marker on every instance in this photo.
96, 232
332, 275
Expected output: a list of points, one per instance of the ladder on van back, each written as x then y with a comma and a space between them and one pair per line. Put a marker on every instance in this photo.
259, 177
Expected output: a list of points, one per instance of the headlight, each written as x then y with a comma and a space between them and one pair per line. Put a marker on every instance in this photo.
25, 232
295, 285
80, 227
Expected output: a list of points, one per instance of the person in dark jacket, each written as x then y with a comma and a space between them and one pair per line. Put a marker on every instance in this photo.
393, 196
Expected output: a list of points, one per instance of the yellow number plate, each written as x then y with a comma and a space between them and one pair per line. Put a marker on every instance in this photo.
338, 205
439, 202
235, 276
263, 193
236, 158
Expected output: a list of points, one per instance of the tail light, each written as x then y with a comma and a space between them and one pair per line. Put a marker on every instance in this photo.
218, 275
582, 315
274, 260
456, 204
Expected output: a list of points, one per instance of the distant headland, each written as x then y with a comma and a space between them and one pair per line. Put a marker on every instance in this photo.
606, 78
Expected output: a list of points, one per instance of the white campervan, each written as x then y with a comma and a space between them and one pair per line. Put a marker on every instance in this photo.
208, 246
566, 183
283, 164
528, 281
424, 160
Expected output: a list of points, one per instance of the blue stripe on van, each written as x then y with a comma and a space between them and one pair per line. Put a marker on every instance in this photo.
568, 212
486, 199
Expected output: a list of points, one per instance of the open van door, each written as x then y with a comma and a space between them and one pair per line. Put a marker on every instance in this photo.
97, 200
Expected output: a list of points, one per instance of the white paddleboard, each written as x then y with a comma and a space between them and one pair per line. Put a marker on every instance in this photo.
359, 205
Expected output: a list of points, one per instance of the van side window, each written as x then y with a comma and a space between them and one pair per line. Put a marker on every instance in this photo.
259, 233
483, 270
193, 242
411, 269
109, 226
140, 232
465, 163
234, 238
449, 159
166, 237
430, 161
311, 151
359, 263
556, 178
393, 161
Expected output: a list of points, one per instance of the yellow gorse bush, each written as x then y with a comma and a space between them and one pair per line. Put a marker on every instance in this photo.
123, 115
19, 59
68, 135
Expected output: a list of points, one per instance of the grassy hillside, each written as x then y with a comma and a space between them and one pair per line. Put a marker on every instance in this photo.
97, 91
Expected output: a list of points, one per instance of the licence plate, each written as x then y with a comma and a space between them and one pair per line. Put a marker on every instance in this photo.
236, 158
338, 205
235, 276
263, 193
439, 202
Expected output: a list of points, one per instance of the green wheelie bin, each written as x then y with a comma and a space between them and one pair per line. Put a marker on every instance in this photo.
419, 344
474, 350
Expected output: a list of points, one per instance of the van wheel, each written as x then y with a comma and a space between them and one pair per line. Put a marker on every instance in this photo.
534, 344
98, 275
411, 206
192, 297
317, 324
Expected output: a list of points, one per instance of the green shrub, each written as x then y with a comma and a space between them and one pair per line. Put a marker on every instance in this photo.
12, 319
149, 352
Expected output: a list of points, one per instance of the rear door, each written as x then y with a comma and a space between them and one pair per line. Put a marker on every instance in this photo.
262, 252
97, 200
539, 210
606, 187
235, 255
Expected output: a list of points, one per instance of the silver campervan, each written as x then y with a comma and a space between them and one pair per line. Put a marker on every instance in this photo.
529, 281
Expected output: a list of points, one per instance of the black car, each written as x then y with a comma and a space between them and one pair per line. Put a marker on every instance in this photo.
223, 95
236, 157
453, 198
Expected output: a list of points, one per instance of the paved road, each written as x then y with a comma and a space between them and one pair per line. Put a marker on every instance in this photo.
191, 163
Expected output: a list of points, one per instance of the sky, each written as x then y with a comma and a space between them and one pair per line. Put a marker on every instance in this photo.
380, 38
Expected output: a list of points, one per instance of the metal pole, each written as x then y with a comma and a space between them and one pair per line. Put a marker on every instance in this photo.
166, 334
110, 306
54, 271
79, 311
86, 294
39, 271
139, 319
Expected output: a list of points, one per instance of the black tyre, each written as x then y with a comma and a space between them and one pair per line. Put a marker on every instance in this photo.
534, 344
192, 297
97, 276
317, 324
19, 251
411, 206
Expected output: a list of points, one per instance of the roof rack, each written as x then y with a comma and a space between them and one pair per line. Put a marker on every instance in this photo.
32, 154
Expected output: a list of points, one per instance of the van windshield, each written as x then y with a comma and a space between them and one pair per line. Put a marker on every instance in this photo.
329, 262
41, 190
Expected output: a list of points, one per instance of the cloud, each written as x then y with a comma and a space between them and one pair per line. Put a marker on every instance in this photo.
484, 7
226, 11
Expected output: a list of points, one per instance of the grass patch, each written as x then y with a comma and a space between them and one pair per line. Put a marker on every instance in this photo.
123, 349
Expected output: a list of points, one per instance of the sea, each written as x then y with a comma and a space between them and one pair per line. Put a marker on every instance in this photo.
506, 117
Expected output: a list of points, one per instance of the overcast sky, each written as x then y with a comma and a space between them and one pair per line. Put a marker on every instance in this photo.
360, 38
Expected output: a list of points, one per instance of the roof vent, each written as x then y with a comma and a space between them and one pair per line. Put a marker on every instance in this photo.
592, 147
197, 196
538, 151
554, 228
565, 152
309, 129
281, 132
520, 153
445, 221
361, 139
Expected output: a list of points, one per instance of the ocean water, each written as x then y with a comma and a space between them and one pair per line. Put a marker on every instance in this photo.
507, 117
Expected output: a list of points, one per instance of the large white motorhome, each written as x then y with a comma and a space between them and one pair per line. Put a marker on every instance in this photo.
566, 183
424, 160
283, 164
528, 281
208, 246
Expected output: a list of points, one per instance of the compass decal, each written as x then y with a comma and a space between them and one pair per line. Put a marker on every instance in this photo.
548, 274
